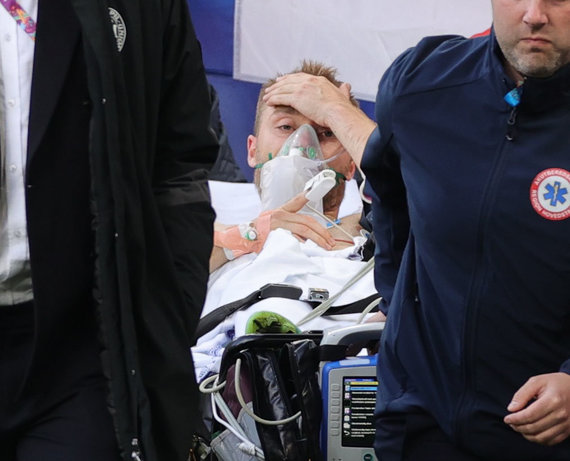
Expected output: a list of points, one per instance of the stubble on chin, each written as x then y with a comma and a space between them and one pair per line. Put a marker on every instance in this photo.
333, 199
533, 62
256, 179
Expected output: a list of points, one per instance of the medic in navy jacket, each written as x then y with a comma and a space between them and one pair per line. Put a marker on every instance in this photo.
473, 237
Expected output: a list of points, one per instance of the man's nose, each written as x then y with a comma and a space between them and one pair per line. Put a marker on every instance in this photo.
305, 139
536, 13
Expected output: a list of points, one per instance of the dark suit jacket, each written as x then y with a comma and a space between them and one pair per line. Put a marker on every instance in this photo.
57, 190
119, 151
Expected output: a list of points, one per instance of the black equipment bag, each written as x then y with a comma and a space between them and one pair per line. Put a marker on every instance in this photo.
279, 376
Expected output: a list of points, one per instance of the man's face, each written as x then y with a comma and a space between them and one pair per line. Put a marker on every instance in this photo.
534, 35
276, 124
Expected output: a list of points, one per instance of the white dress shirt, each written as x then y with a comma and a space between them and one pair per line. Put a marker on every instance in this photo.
16, 63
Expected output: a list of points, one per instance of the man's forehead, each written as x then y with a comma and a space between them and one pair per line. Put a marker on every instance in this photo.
275, 112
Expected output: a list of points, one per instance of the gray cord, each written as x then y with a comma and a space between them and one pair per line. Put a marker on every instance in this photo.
367, 309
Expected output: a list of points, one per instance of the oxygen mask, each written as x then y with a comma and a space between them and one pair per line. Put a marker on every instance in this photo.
285, 176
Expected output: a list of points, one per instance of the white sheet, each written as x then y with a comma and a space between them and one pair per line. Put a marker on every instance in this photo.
283, 260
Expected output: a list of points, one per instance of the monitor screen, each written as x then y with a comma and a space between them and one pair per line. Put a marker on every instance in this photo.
358, 403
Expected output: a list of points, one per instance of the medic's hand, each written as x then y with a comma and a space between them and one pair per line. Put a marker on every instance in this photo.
547, 419
301, 226
311, 95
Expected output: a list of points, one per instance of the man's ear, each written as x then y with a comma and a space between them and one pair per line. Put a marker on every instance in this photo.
251, 151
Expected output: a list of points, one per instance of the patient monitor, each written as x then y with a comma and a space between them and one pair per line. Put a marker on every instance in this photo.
349, 397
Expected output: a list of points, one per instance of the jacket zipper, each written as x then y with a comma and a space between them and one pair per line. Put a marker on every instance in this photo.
469, 325
511, 125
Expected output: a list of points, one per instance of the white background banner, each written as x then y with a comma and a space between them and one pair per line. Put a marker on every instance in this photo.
358, 37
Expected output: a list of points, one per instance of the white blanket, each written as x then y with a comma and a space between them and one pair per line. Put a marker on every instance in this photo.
283, 260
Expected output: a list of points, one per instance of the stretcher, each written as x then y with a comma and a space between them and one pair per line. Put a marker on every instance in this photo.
271, 407
294, 397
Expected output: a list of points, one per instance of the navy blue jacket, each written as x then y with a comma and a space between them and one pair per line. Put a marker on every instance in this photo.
473, 253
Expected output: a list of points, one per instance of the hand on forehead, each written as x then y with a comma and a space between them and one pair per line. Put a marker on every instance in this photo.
277, 123
282, 121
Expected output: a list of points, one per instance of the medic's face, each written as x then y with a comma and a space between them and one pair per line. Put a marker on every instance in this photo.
534, 35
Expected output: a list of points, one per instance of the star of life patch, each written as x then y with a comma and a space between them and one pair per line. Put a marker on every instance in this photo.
550, 194
119, 28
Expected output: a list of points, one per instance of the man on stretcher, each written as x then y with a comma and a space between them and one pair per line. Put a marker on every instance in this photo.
282, 168
301, 237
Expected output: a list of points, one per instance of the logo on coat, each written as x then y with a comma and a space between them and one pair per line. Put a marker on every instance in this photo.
119, 28
550, 194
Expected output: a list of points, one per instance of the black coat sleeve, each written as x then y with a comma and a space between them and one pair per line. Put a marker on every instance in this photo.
185, 152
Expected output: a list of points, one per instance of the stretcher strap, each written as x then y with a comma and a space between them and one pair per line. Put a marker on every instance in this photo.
271, 290
326, 305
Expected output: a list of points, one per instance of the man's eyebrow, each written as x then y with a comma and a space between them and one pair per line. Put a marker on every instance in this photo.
285, 109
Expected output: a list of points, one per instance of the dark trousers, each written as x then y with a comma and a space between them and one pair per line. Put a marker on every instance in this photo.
42, 418
414, 437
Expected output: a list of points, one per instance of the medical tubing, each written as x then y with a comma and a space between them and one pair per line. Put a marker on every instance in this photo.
330, 221
241, 400
214, 388
233, 426
367, 309
325, 305
231, 423
215, 397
